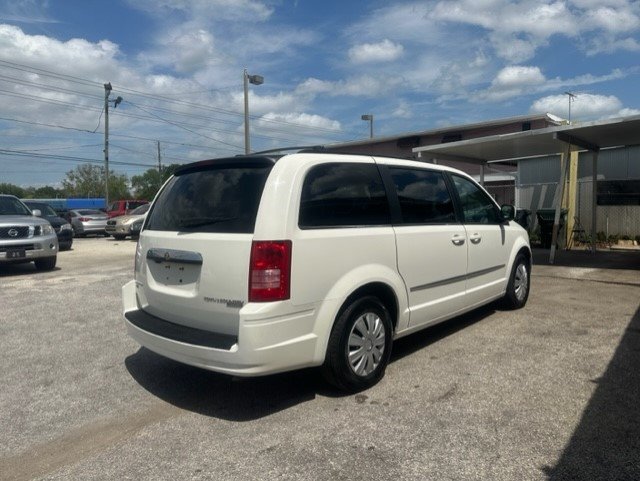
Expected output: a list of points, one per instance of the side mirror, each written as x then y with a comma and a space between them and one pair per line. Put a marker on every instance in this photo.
508, 212
36, 212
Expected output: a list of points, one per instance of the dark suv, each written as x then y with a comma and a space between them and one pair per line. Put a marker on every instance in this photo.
60, 225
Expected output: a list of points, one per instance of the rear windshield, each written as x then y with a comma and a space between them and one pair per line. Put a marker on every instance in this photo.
140, 210
90, 212
218, 199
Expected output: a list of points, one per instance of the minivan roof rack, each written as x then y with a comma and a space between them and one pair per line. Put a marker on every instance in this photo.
304, 148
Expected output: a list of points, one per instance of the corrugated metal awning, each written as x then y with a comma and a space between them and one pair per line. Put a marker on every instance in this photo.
533, 143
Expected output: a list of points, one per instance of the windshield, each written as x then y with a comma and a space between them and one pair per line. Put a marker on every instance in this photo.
45, 209
216, 199
140, 210
12, 206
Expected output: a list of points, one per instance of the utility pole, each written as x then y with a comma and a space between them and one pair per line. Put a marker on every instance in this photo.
107, 91
159, 158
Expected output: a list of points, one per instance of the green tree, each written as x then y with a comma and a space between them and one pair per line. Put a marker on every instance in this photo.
87, 180
11, 189
46, 192
147, 185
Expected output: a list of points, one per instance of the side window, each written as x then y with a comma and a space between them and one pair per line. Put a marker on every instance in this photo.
423, 196
477, 206
342, 195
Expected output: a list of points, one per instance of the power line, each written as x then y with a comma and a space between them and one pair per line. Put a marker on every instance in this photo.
95, 84
21, 153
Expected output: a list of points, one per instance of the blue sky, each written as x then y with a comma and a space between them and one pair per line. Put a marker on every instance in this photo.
178, 66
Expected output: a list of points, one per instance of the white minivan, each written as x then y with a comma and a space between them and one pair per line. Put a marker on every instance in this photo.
260, 264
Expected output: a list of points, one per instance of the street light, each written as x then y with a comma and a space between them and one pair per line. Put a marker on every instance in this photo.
254, 80
369, 118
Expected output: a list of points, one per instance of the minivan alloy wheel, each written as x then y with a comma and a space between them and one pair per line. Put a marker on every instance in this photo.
521, 281
366, 344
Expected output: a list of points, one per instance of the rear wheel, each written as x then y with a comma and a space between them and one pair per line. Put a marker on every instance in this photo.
46, 263
359, 346
119, 236
519, 282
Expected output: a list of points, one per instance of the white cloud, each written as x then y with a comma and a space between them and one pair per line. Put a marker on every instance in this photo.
518, 28
221, 10
302, 120
514, 81
384, 51
583, 107
403, 110
360, 86
518, 76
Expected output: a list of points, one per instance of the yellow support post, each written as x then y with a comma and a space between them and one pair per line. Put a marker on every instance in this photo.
570, 197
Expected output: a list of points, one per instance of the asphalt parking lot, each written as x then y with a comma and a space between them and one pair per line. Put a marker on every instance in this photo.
551, 391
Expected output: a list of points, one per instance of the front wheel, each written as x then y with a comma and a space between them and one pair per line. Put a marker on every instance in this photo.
359, 345
46, 263
519, 284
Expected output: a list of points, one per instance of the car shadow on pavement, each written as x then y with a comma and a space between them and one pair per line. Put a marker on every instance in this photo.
24, 269
606, 443
218, 395
419, 340
245, 399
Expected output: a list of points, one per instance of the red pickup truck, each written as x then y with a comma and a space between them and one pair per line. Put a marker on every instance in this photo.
123, 207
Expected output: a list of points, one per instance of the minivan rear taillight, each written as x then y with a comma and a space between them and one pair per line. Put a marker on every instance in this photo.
270, 271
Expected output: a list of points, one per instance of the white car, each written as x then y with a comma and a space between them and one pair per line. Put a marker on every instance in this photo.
256, 265
123, 225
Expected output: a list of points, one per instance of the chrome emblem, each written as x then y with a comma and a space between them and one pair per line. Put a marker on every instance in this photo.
13, 233
167, 257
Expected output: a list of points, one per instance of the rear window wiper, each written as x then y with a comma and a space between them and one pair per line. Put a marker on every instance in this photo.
202, 221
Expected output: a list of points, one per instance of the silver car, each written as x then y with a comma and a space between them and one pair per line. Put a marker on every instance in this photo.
25, 237
121, 226
88, 221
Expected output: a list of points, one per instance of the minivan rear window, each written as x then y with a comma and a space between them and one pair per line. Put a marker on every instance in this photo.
221, 199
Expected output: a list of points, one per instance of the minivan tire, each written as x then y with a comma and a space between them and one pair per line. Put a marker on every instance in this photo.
46, 263
366, 321
519, 284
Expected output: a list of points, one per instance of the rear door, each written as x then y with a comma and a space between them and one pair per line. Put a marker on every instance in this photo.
195, 247
431, 244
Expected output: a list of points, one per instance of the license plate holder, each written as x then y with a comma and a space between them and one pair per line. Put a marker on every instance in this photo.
16, 254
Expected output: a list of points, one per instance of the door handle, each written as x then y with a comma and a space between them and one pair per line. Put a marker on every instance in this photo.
457, 240
475, 238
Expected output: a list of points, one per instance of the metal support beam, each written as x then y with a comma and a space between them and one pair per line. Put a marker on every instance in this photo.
594, 200
564, 160
577, 141
482, 167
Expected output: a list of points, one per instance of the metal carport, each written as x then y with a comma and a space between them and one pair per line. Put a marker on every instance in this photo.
589, 136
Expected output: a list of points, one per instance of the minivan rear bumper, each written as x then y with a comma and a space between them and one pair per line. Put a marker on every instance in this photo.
264, 345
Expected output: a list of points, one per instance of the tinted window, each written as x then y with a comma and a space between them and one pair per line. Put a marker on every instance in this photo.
12, 206
140, 210
423, 196
477, 206
619, 192
217, 199
338, 195
45, 209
